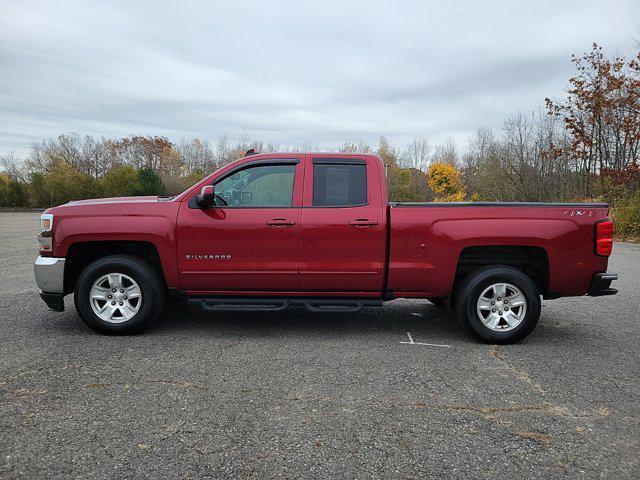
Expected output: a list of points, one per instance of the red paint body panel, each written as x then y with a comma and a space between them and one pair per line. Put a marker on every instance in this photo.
281, 293
446, 231
319, 252
142, 219
336, 255
262, 257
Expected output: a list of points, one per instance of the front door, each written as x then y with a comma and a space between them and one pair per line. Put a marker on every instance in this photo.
249, 241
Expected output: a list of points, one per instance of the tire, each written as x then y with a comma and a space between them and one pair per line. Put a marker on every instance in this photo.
137, 277
501, 324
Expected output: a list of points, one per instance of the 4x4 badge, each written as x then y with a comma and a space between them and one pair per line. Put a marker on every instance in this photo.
578, 213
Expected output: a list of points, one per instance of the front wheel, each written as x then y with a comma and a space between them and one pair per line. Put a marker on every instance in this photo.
498, 304
119, 294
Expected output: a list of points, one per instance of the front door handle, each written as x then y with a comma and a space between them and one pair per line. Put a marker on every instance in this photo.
280, 222
362, 222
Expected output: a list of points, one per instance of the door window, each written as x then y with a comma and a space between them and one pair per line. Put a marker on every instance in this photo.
261, 186
336, 185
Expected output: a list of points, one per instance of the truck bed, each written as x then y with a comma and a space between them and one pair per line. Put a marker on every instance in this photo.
431, 238
499, 204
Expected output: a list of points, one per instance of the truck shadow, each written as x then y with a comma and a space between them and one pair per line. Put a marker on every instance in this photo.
395, 318
424, 321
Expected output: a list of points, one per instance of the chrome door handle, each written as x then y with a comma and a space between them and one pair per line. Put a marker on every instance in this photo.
280, 222
362, 222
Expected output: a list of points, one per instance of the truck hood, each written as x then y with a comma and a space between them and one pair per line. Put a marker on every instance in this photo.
112, 200
118, 206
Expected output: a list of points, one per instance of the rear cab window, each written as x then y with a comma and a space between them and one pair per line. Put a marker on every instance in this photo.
339, 183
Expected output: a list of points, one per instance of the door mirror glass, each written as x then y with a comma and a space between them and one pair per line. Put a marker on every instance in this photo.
207, 197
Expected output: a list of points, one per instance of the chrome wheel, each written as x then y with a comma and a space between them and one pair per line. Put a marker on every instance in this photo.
115, 298
502, 307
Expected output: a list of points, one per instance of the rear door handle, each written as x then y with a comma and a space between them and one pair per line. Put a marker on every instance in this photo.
362, 222
280, 222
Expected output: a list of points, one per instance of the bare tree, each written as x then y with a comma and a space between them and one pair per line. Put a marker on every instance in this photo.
12, 165
360, 147
447, 153
95, 156
197, 155
417, 154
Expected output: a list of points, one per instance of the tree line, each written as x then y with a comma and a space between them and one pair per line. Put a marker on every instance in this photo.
585, 146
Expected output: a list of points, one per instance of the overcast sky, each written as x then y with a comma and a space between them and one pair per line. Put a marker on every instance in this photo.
290, 72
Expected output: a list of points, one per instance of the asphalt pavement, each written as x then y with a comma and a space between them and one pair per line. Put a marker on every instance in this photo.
397, 392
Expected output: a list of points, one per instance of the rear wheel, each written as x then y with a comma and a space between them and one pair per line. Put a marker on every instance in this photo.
498, 304
119, 294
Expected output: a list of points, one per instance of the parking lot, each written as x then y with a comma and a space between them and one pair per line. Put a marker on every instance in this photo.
401, 391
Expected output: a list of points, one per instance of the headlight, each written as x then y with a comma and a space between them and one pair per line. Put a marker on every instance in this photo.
46, 222
44, 238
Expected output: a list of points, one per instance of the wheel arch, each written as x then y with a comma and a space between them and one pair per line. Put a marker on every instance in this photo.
81, 254
533, 261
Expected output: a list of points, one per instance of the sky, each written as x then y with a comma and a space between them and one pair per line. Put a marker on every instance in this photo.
291, 72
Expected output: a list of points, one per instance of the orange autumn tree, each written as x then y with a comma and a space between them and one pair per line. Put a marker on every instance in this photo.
446, 182
601, 114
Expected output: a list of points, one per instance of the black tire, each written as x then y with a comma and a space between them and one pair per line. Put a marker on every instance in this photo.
145, 275
471, 290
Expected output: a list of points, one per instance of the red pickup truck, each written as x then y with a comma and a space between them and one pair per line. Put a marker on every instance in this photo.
316, 230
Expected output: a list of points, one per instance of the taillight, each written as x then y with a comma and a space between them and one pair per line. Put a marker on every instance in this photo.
604, 238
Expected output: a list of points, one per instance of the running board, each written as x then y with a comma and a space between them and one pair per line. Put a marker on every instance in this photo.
316, 305
242, 305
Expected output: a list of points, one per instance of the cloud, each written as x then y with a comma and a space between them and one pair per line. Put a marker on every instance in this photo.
289, 72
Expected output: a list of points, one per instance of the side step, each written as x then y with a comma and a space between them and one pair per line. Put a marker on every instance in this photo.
316, 305
242, 305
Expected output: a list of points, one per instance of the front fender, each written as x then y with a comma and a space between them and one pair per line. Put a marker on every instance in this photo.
157, 230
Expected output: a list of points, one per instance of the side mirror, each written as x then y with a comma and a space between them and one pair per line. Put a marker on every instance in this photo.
207, 197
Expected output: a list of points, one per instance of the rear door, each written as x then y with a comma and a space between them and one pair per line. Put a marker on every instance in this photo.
342, 226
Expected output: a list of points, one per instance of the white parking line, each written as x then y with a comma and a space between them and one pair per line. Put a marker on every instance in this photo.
411, 342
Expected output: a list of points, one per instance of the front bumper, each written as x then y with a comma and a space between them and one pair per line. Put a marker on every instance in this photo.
601, 284
49, 273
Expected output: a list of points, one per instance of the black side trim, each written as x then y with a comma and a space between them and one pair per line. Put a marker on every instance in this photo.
192, 204
55, 301
339, 161
387, 254
497, 204
313, 304
262, 162
601, 284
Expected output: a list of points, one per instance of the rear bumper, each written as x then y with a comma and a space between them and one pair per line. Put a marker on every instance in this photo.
49, 273
601, 284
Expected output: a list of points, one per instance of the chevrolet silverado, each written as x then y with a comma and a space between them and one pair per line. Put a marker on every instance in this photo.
272, 231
